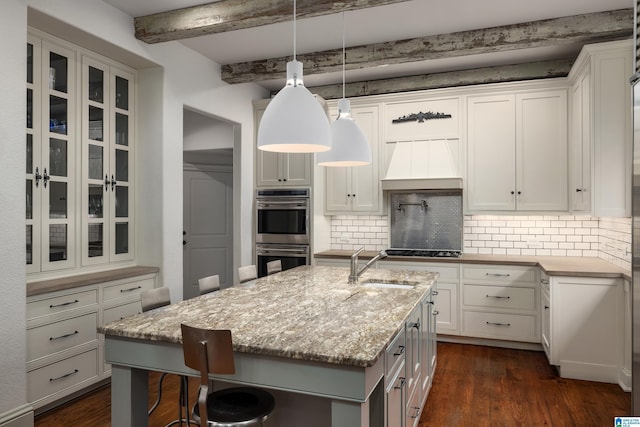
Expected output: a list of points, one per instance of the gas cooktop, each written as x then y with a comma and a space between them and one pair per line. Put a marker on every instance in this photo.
424, 252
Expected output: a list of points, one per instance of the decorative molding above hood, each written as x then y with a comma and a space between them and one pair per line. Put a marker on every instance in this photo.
423, 165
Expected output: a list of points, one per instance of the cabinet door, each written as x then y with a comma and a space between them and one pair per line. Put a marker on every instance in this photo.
365, 182
580, 187
337, 189
491, 153
446, 301
296, 169
541, 153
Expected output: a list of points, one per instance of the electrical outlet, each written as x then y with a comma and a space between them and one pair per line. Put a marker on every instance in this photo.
344, 238
533, 243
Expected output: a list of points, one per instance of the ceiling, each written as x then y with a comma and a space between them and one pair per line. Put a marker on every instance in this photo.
405, 20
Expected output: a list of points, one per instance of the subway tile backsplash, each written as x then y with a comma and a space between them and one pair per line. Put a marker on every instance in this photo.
543, 235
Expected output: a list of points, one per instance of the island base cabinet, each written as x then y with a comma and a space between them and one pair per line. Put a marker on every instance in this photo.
587, 327
395, 399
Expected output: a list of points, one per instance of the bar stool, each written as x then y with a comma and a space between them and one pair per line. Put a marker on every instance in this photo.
210, 351
209, 284
149, 300
247, 272
274, 266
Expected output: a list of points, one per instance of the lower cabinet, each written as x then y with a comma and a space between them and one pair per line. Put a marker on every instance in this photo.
587, 334
64, 351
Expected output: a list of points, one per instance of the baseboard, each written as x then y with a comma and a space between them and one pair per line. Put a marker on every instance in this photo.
589, 371
625, 380
22, 416
517, 345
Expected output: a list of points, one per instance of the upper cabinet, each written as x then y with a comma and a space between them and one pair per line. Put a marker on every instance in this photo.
517, 151
280, 169
356, 189
51, 156
79, 157
601, 129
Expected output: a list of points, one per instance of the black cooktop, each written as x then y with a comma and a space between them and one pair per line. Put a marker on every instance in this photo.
424, 253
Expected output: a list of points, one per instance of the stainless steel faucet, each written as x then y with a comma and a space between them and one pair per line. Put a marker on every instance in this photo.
355, 273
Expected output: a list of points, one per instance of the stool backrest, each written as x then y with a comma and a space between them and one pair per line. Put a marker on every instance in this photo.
209, 284
247, 272
274, 266
154, 298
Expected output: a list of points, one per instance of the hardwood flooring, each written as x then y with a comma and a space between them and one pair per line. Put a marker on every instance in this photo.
473, 386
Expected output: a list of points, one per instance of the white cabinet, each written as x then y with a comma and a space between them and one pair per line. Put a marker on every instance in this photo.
601, 124
107, 172
280, 169
545, 314
51, 143
517, 151
357, 189
587, 332
65, 353
500, 302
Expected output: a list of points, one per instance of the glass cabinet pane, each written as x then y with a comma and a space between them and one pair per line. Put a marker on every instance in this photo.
58, 157
29, 108
57, 72
95, 161
29, 199
122, 201
122, 129
29, 63
57, 199
122, 238
96, 124
29, 244
29, 153
96, 240
96, 201
96, 85
122, 166
57, 115
122, 93
57, 242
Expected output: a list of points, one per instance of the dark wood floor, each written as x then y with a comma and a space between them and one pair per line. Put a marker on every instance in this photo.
473, 385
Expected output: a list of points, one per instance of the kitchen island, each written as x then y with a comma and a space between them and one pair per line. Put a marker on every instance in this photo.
304, 330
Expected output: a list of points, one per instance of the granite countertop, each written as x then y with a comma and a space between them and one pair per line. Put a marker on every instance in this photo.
309, 313
552, 265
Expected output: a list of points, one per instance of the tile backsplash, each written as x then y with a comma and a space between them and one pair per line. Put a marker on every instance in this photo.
541, 235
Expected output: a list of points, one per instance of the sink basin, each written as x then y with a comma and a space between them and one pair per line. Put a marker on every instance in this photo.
389, 284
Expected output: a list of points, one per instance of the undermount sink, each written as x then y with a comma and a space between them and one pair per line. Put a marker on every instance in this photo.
389, 284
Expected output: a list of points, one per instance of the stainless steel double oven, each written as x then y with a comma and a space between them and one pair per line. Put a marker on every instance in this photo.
283, 218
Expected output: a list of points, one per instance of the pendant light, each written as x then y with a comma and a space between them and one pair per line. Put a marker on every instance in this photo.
349, 146
294, 121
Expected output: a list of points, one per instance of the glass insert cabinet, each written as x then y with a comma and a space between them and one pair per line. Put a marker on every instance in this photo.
79, 157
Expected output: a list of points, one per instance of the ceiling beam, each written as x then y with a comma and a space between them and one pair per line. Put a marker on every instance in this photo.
497, 74
229, 15
587, 28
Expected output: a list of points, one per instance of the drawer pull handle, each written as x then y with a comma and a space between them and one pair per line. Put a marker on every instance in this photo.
434, 292
544, 281
63, 304
400, 350
497, 296
416, 325
498, 274
546, 307
135, 288
415, 414
402, 382
61, 377
436, 312
498, 324
63, 336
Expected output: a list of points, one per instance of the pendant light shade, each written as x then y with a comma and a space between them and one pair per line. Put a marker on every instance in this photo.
294, 121
349, 144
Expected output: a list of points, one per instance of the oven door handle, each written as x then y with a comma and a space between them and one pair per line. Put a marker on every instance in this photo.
281, 205
281, 251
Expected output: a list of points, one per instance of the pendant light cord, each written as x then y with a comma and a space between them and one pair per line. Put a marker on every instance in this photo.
344, 55
294, 30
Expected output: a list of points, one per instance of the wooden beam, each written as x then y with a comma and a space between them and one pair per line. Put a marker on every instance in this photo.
498, 74
587, 28
229, 15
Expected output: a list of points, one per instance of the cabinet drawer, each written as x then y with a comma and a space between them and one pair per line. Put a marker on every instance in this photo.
500, 326
121, 311
447, 271
55, 337
499, 297
62, 375
395, 354
126, 289
501, 274
47, 306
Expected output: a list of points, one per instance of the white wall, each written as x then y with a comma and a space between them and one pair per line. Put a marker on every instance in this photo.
13, 391
202, 132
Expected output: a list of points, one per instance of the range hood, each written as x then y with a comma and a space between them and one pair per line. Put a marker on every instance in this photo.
423, 165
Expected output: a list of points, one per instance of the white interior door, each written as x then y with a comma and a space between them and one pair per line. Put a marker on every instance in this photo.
208, 226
